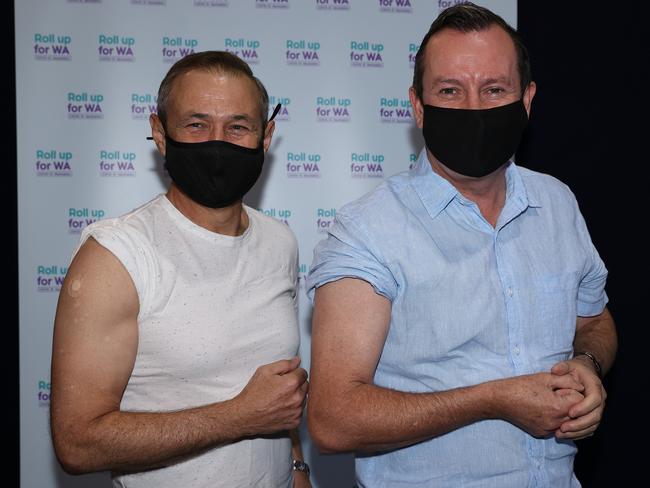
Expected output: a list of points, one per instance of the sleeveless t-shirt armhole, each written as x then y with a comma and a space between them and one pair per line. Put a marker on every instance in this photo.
132, 250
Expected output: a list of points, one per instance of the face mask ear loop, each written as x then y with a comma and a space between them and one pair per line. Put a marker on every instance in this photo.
275, 111
150, 138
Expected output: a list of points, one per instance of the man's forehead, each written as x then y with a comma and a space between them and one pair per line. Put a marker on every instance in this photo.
491, 52
197, 89
212, 81
492, 37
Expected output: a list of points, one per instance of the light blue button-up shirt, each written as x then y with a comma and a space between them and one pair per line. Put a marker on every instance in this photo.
470, 303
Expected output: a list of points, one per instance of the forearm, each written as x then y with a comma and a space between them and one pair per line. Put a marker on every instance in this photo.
296, 448
390, 419
598, 336
134, 441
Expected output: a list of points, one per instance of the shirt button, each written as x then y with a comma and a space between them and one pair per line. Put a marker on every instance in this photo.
509, 291
516, 349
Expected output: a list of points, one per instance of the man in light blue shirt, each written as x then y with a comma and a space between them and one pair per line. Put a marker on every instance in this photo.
460, 327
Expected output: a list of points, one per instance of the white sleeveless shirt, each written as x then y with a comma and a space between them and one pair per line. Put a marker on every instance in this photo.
213, 308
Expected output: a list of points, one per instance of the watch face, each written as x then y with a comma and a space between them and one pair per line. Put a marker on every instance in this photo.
301, 466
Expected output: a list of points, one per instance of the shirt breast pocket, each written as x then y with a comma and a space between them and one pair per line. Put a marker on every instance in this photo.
555, 309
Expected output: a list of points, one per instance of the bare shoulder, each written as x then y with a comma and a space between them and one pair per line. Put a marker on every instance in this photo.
349, 329
96, 276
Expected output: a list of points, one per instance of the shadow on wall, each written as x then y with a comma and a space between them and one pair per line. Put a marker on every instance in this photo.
256, 194
328, 470
415, 138
159, 166
65, 480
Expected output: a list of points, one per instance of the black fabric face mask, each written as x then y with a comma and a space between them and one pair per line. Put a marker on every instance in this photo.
213, 173
474, 142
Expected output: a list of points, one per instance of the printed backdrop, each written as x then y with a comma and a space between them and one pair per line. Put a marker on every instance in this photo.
87, 74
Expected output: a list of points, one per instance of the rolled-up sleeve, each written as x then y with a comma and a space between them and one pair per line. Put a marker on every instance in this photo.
592, 297
347, 252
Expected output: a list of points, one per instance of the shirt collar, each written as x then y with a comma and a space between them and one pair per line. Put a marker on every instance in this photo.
436, 193
517, 190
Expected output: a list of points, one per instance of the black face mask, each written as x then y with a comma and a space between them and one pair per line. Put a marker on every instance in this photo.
214, 173
474, 142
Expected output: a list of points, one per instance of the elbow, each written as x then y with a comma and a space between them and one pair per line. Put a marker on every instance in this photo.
328, 432
72, 456
71, 460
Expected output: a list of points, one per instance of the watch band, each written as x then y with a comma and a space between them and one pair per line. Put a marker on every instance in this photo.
301, 466
597, 366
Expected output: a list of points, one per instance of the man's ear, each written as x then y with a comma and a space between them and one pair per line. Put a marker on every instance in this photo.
268, 134
157, 132
529, 94
418, 108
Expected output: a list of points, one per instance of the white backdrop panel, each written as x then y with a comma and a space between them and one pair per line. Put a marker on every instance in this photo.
87, 73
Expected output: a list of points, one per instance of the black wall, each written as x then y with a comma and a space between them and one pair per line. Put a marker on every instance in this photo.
588, 127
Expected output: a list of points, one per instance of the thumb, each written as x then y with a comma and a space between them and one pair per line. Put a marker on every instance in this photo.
561, 368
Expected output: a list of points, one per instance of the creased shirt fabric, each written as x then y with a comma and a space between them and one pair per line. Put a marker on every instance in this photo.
470, 303
213, 308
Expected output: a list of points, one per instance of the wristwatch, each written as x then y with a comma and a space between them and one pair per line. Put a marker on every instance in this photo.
597, 366
301, 466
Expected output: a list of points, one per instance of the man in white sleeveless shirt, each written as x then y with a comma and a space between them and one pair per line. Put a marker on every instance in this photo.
175, 341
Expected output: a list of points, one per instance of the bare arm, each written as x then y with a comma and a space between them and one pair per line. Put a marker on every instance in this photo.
94, 350
596, 335
300, 479
350, 324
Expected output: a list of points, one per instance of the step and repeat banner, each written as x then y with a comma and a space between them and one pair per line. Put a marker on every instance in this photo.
87, 74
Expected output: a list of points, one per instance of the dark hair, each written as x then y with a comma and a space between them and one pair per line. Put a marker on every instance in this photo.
467, 17
220, 61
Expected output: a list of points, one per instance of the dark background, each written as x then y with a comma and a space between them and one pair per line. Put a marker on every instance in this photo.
588, 127
588, 123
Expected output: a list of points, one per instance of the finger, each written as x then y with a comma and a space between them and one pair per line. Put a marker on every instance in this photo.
283, 366
298, 401
304, 375
568, 398
586, 422
304, 399
584, 407
576, 435
583, 436
565, 381
592, 401
300, 374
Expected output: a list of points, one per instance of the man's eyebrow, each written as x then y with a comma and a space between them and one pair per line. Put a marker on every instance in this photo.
240, 117
243, 117
506, 80
195, 115
229, 118
449, 81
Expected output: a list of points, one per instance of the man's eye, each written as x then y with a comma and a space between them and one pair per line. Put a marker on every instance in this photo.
495, 90
238, 128
196, 125
447, 91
